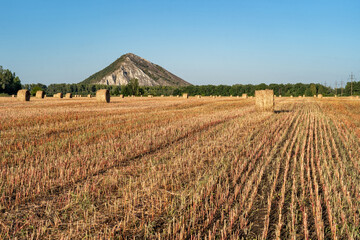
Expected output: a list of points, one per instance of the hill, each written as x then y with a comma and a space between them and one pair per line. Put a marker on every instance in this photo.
130, 66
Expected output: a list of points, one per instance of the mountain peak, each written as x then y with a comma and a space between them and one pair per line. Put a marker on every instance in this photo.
130, 66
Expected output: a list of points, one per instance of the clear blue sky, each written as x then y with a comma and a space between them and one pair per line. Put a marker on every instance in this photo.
204, 42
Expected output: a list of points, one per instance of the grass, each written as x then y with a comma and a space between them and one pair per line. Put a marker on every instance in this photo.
174, 168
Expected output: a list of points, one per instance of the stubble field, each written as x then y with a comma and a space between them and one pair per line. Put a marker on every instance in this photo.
174, 168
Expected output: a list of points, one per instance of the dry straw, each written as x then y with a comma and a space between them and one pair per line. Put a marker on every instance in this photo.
89, 95
103, 95
121, 96
150, 96
244, 95
185, 95
23, 95
320, 95
68, 95
264, 100
40, 94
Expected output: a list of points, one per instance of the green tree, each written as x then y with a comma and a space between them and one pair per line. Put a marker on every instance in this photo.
132, 88
9, 82
313, 90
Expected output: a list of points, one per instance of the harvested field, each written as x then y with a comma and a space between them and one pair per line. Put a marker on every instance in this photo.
165, 168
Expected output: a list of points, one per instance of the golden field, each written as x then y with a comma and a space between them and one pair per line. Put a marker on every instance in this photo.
175, 168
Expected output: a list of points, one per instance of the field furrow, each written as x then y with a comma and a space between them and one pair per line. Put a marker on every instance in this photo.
170, 168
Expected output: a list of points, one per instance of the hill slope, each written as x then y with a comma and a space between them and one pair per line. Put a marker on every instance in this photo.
130, 66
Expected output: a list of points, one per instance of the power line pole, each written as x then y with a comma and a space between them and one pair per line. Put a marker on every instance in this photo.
341, 87
336, 88
351, 78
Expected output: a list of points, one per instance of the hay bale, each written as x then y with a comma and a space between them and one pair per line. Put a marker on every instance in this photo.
185, 95
121, 96
162, 96
279, 95
150, 96
198, 96
244, 95
103, 95
40, 94
13, 96
264, 100
291, 96
23, 95
303, 95
58, 95
320, 95
68, 95
89, 96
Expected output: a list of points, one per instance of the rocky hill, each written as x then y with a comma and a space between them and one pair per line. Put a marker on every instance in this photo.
130, 66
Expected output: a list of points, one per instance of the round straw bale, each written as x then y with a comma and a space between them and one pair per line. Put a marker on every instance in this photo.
40, 94
185, 95
58, 95
89, 95
68, 95
23, 95
264, 100
103, 95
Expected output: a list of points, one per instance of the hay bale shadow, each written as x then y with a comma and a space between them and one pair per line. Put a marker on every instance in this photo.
282, 111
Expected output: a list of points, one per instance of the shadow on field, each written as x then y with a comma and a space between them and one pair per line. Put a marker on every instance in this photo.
282, 111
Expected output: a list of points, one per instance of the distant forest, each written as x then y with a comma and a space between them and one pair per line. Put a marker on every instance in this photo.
298, 89
10, 84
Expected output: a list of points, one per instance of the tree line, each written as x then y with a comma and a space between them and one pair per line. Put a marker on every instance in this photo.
10, 84
298, 89
133, 88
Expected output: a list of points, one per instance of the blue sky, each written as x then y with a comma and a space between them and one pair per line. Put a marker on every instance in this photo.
204, 42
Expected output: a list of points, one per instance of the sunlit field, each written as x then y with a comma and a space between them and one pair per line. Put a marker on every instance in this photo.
174, 168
